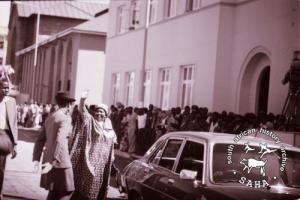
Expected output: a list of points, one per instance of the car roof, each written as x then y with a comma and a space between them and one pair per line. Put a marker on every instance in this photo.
213, 138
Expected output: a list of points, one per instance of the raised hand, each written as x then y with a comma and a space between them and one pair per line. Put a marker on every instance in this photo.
85, 94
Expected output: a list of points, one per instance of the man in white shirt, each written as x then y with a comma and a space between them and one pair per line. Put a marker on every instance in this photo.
8, 127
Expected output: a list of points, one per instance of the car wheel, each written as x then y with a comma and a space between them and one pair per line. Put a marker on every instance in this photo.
134, 196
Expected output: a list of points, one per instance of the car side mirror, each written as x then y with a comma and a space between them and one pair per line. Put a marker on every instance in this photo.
188, 174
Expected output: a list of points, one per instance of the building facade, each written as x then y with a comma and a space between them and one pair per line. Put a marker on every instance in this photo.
55, 16
3, 44
72, 60
222, 54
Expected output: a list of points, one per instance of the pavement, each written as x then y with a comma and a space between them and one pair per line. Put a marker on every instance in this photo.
21, 182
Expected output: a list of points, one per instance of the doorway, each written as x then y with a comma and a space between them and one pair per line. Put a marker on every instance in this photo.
263, 91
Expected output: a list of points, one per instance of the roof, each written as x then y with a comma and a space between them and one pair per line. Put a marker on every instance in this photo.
96, 26
229, 138
68, 9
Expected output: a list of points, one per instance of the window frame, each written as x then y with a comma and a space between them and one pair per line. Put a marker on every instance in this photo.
165, 93
166, 142
116, 84
120, 19
153, 11
204, 162
170, 8
191, 5
130, 80
162, 147
135, 15
187, 82
147, 87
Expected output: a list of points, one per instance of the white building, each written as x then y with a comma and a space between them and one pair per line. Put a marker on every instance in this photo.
3, 44
72, 60
223, 54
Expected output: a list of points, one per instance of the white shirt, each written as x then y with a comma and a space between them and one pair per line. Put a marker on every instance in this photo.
141, 121
3, 115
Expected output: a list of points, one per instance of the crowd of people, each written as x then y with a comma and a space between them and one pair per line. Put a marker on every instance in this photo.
137, 128
76, 144
33, 115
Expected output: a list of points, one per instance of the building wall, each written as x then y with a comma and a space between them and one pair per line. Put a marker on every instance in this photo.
230, 42
273, 30
22, 32
76, 60
172, 44
89, 72
127, 57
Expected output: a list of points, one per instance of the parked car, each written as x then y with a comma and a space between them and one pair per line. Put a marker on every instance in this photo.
203, 165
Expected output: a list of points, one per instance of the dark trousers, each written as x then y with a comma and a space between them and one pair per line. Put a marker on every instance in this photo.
2, 169
140, 141
59, 195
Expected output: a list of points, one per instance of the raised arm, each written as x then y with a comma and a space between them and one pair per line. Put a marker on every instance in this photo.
83, 98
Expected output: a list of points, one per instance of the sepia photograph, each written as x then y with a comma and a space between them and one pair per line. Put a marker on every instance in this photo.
150, 100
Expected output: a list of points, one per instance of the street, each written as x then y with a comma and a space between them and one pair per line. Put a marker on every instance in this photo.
22, 183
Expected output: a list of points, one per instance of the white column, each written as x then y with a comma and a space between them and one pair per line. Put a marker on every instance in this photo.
31, 77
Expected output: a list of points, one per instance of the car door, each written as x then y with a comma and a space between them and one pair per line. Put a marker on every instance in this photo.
192, 160
160, 167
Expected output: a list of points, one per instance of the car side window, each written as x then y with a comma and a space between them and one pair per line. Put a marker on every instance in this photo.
192, 158
166, 157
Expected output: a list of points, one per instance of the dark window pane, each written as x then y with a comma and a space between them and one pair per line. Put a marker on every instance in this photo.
170, 153
192, 158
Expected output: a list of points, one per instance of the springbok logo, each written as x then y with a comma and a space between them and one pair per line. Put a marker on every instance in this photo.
250, 163
265, 150
253, 166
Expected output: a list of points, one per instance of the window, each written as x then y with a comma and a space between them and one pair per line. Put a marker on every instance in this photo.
1, 61
153, 11
147, 87
120, 19
192, 158
170, 8
166, 157
187, 85
129, 88
115, 87
192, 5
165, 85
135, 14
1, 44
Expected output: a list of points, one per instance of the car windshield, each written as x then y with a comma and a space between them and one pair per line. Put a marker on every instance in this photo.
246, 164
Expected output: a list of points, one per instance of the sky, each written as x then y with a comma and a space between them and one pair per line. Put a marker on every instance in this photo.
4, 12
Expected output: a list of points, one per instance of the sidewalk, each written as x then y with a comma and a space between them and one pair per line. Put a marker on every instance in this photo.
20, 182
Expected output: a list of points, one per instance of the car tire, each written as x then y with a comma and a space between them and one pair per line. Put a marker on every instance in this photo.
134, 196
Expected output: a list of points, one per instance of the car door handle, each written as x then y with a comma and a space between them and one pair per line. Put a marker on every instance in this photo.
171, 181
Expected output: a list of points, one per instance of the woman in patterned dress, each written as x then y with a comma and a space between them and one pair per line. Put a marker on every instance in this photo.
91, 146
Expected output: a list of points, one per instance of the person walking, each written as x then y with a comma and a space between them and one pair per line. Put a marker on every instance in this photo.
57, 172
8, 126
131, 120
92, 143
